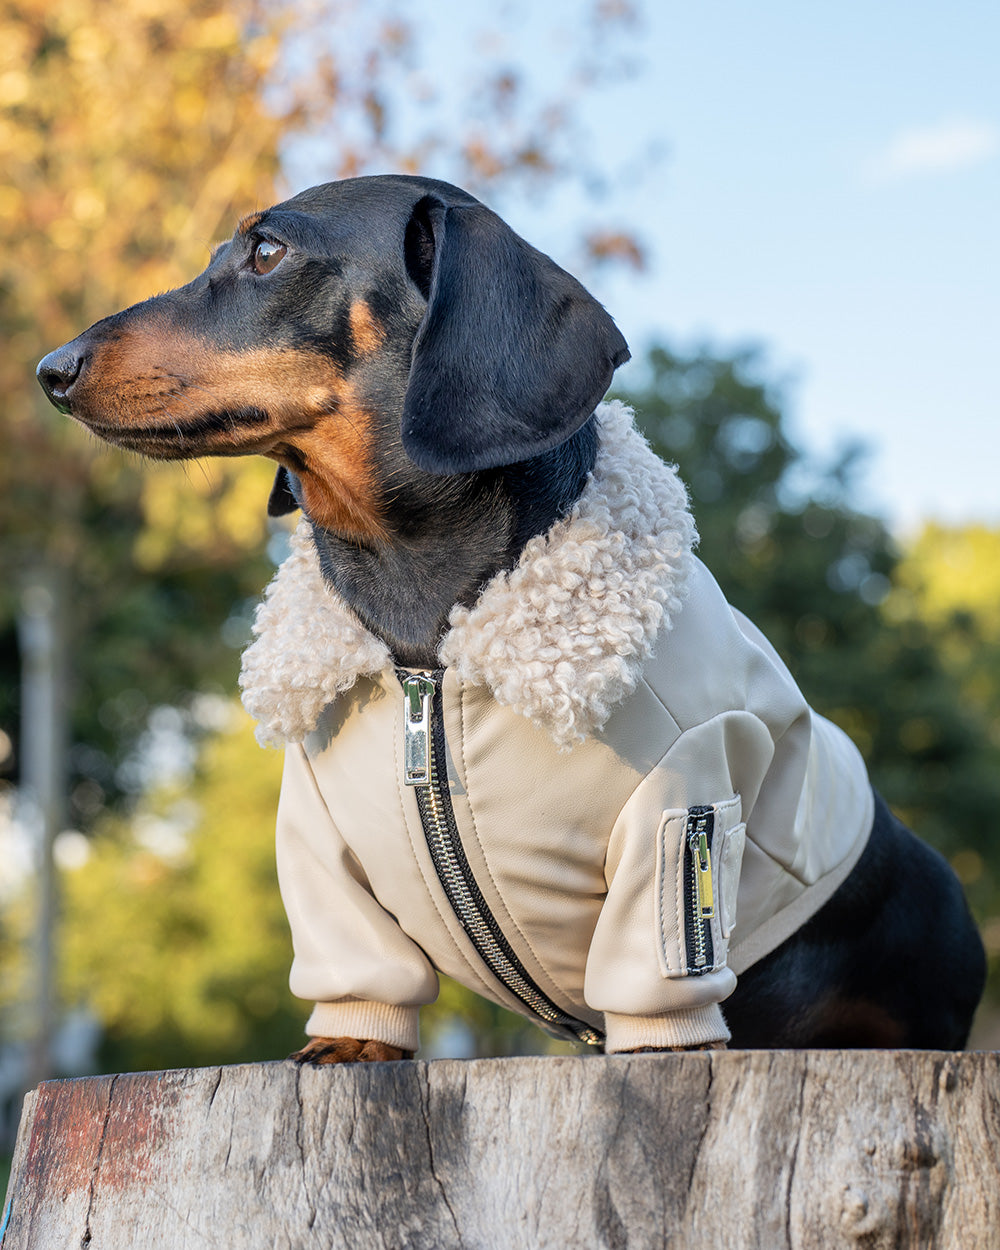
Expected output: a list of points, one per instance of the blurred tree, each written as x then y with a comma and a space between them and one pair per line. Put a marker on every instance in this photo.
96, 162
791, 551
132, 139
947, 570
99, 171
173, 930
949, 579
949, 576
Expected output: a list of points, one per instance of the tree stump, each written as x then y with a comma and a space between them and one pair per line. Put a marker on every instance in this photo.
724, 1150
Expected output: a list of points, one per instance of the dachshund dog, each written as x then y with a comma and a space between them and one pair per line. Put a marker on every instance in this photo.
426, 383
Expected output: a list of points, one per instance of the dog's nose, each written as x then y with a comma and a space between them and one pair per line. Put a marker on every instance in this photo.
57, 373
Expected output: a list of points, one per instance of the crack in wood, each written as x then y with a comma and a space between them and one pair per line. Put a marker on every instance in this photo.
215, 1089
424, 1099
803, 1076
300, 1144
87, 1235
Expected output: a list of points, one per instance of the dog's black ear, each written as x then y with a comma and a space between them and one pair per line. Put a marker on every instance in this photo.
281, 500
513, 354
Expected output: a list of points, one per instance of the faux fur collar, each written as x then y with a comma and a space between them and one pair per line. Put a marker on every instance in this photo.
561, 638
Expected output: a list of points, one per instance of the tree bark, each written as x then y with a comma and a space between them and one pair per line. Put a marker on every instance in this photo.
756, 1149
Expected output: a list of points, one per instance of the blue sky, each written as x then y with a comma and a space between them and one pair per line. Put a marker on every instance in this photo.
830, 189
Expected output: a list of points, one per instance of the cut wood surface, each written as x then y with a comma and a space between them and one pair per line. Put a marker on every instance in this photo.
718, 1151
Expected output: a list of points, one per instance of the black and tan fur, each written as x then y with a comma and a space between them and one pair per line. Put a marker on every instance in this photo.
425, 381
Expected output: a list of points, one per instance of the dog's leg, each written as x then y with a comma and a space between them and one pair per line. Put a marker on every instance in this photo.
323, 1050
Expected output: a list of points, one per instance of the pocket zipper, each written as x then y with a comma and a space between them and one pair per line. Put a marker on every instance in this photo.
700, 895
424, 769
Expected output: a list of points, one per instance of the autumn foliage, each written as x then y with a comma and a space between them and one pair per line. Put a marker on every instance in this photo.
133, 136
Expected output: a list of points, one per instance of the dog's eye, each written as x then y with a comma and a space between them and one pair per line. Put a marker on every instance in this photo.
267, 255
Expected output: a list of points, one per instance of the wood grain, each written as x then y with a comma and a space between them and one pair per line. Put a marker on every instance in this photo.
768, 1150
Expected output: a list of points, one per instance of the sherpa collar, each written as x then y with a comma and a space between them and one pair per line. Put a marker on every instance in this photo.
561, 638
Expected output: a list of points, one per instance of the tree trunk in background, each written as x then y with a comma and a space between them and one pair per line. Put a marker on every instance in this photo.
42, 636
766, 1150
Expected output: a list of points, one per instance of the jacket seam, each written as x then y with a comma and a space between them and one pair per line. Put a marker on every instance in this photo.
778, 863
674, 721
745, 816
676, 742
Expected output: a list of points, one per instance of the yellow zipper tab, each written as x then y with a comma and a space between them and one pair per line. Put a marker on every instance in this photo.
703, 875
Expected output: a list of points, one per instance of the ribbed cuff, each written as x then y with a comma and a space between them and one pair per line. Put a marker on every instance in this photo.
691, 1027
369, 1022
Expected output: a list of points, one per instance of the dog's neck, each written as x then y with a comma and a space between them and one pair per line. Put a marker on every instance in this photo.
447, 536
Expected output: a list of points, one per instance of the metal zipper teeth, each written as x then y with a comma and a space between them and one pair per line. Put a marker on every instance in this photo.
455, 874
700, 949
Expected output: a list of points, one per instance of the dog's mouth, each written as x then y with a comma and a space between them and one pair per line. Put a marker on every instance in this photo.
235, 432
169, 395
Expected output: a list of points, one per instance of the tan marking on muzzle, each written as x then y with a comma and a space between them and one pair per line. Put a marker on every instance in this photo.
163, 382
164, 394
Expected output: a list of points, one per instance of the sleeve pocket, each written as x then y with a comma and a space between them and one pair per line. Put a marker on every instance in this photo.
699, 852
730, 861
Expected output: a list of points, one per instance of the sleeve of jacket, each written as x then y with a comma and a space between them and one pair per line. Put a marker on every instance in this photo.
657, 962
367, 978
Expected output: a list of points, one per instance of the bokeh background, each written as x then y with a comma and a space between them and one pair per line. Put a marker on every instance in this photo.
790, 210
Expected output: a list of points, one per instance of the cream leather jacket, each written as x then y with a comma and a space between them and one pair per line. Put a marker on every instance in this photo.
609, 800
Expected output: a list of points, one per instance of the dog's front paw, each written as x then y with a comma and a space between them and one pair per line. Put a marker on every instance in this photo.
347, 1050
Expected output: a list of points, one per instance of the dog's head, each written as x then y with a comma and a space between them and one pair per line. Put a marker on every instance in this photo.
356, 318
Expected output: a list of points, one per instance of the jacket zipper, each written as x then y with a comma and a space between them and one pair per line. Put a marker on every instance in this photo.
424, 768
700, 895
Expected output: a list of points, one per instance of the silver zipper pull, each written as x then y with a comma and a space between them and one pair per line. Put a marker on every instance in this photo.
419, 691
